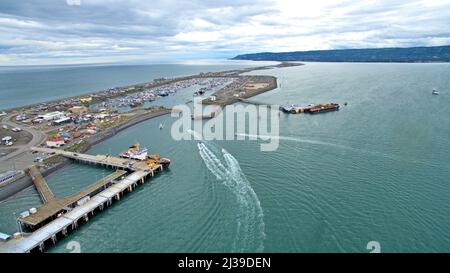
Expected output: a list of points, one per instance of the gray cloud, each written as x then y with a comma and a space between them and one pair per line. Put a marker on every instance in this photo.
33, 32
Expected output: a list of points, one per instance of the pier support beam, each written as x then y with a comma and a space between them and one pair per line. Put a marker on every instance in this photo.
41, 247
54, 239
118, 197
74, 225
86, 218
64, 231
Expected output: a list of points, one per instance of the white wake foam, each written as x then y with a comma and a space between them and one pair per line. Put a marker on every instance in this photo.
263, 137
250, 223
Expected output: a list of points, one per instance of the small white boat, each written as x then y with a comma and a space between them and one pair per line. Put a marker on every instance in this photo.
435, 92
161, 126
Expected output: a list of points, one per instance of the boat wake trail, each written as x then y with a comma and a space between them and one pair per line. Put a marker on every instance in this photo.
317, 142
250, 228
340, 146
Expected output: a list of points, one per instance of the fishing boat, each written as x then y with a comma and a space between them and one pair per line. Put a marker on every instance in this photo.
435, 92
135, 152
200, 92
288, 108
135, 104
161, 126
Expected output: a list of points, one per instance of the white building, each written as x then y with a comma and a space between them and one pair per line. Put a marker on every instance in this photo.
21, 117
52, 116
101, 116
62, 120
55, 142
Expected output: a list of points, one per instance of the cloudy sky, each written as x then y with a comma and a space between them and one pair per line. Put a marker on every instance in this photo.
96, 31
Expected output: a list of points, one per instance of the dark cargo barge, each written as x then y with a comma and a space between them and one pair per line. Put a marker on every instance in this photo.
324, 108
311, 109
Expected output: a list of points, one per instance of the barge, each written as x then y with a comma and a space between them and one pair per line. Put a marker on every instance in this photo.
311, 109
323, 108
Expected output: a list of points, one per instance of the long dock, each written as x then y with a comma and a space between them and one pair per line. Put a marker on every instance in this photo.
54, 207
57, 217
40, 184
102, 160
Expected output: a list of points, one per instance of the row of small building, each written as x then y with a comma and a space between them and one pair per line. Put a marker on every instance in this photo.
79, 123
58, 117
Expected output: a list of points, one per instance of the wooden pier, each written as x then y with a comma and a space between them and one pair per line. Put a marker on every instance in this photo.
40, 184
59, 216
51, 209
101, 160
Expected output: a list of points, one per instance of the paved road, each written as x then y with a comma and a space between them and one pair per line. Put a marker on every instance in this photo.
22, 157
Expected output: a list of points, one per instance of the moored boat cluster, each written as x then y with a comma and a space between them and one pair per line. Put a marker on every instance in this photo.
152, 94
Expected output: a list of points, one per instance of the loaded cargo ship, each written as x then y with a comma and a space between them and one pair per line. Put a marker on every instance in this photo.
323, 108
312, 108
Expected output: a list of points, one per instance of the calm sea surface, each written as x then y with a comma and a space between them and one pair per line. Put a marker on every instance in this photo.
377, 170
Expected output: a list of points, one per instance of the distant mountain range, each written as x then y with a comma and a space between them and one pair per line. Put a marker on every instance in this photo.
403, 55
